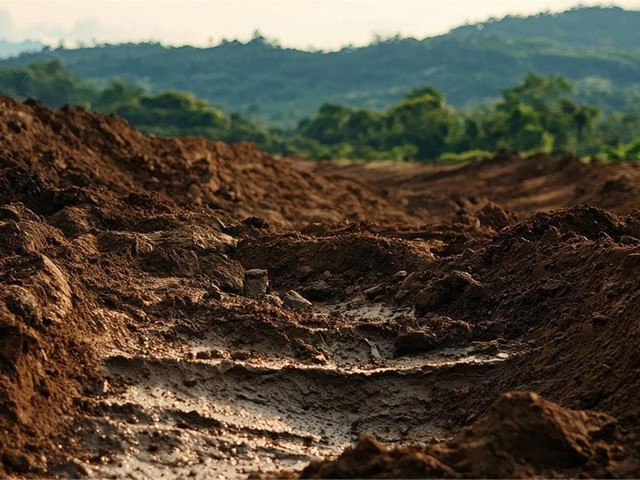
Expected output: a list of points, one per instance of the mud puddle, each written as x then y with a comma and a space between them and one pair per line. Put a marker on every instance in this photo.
175, 415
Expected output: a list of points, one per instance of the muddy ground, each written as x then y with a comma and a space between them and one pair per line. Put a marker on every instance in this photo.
179, 307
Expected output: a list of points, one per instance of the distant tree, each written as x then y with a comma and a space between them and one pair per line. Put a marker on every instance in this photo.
421, 119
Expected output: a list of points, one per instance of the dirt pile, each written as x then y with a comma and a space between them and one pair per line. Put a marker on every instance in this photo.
520, 184
521, 436
185, 307
46, 356
74, 148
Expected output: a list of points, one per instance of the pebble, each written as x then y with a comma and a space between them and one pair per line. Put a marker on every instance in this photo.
295, 301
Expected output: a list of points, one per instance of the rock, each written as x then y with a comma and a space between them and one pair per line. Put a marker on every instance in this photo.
415, 342
256, 283
240, 355
23, 303
438, 332
295, 301
319, 290
401, 275
373, 291
213, 353
454, 287
304, 271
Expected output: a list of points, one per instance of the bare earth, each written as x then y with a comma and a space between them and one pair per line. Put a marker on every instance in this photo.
478, 320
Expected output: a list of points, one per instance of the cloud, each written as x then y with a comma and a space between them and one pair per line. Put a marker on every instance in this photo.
6, 27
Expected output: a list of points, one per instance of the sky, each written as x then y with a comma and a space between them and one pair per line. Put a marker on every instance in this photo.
305, 24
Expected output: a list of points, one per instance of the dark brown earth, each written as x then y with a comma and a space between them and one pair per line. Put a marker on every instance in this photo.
467, 321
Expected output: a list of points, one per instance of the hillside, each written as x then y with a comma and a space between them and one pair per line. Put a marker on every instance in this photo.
268, 82
598, 27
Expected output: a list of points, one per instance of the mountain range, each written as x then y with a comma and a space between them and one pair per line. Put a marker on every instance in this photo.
596, 47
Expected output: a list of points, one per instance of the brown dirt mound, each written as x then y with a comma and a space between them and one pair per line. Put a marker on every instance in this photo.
334, 267
43, 149
565, 282
519, 184
521, 436
89, 205
45, 357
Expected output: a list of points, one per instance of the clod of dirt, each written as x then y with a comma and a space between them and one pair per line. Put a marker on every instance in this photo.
454, 288
436, 331
496, 217
256, 283
318, 291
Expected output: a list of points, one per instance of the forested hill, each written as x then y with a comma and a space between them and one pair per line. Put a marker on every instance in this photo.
600, 27
265, 81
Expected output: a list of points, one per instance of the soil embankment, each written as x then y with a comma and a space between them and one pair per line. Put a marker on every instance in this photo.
155, 311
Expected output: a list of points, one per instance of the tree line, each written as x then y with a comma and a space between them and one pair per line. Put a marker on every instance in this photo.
595, 47
540, 114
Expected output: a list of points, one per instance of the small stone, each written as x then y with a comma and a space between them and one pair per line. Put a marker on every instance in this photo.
295, 301
319, 290
240, 355
210, 354
214, 292
373, 291
400, 275
256, 283
304, 271
23, 303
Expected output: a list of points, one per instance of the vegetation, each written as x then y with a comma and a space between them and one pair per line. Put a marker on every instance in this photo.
600, 27
596, 48
537, 115
167, 113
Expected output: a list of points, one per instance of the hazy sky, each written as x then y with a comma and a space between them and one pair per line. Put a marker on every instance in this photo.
326, 24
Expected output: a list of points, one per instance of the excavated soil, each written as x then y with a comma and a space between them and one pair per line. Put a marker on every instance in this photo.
185, 308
